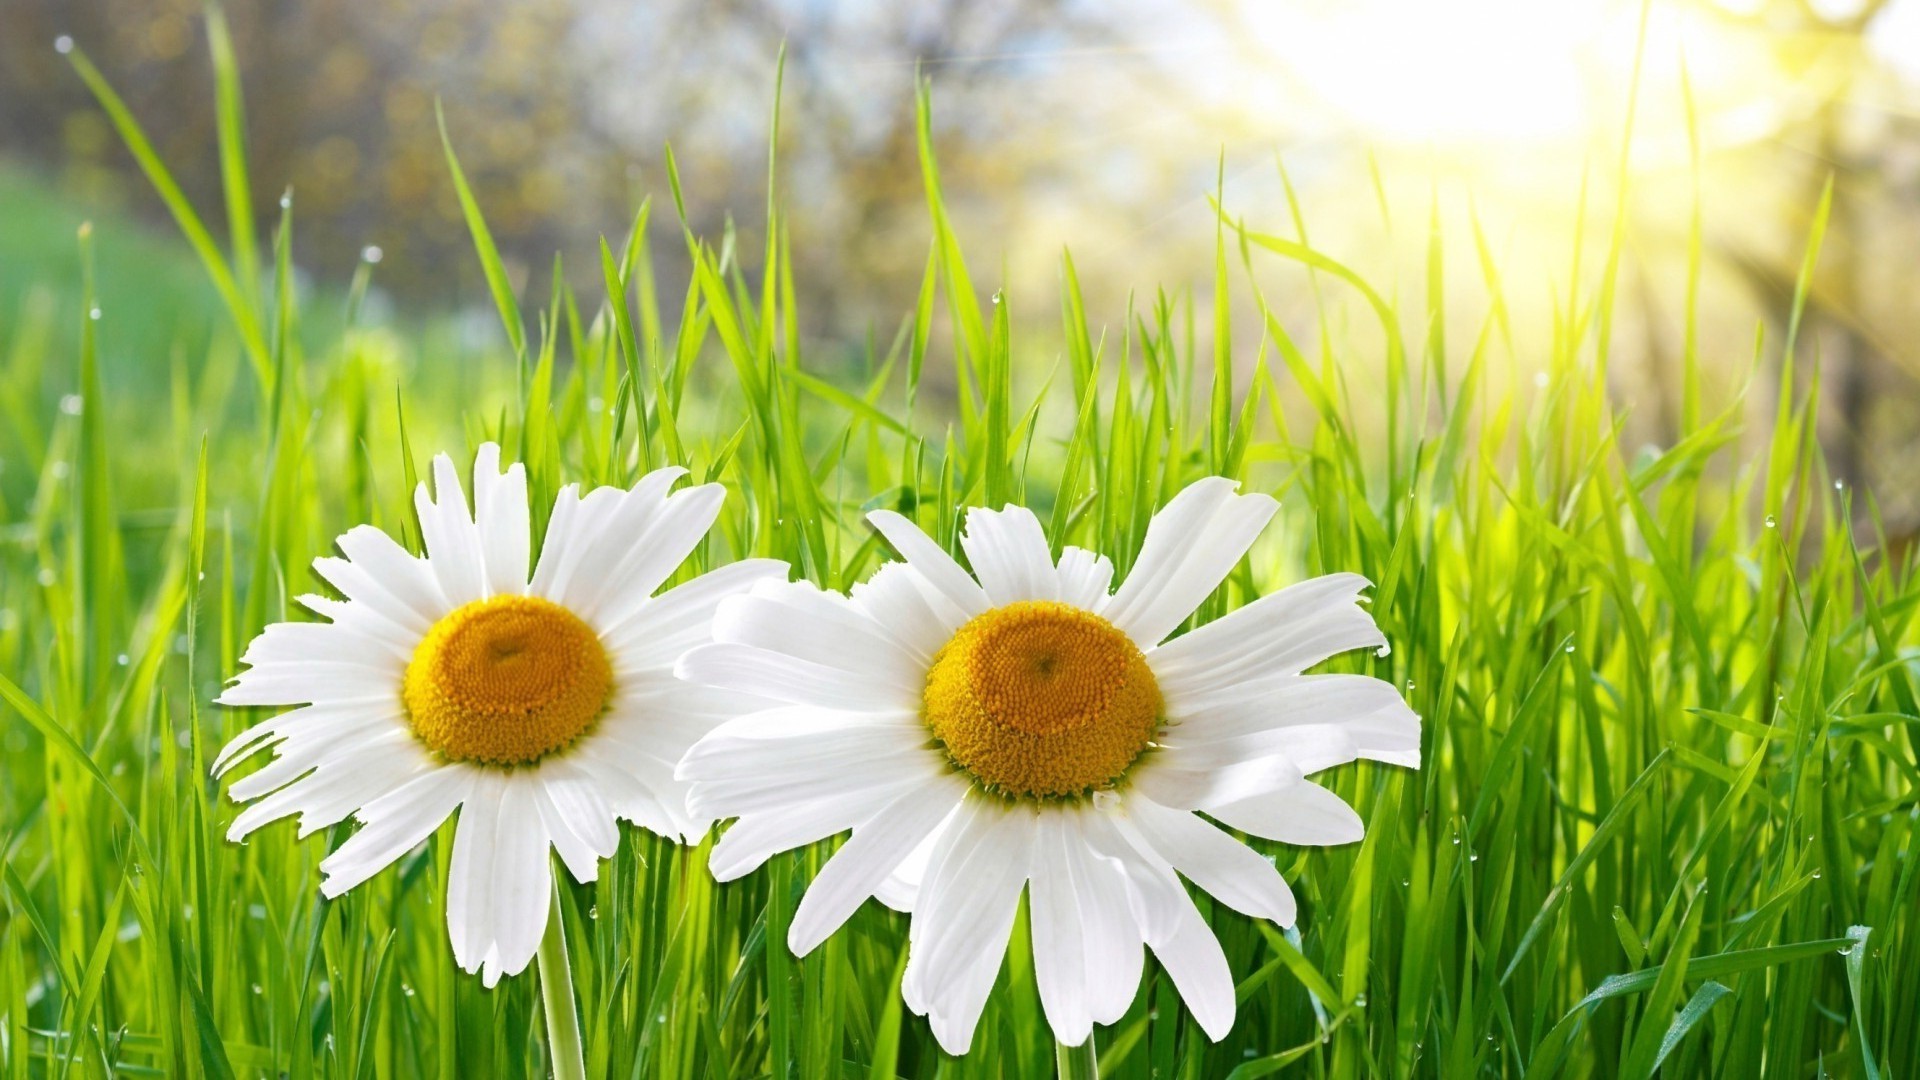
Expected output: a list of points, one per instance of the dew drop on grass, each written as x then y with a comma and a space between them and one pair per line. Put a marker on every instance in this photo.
72, 404
1770, 522
286, 201
405, 989
1540, 379
46, 577
372, 254
63, 44
257, 989
593, 912
1816, 874
1569, 646
123, 660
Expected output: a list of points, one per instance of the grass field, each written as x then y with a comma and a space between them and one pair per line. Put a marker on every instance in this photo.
1665, 824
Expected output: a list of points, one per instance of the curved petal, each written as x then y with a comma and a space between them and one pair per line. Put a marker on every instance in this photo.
1009, 553
897, 598
500, 512
800, 682
1304, 813
958, 935
1190, 547
799, 620
500, 884
944, 576
1084, 578
867, 858
1230, 871
394, 824
455, 552
1282, 633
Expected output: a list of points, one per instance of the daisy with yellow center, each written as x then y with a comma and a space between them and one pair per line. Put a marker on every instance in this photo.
541, 707
1026, 728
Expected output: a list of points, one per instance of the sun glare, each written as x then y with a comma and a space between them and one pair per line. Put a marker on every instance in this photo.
1411, 71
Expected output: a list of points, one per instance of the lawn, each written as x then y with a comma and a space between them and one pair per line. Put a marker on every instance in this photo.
1666, 815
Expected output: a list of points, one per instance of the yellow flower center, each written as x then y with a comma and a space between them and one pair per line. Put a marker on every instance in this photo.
1042, 700
506, 681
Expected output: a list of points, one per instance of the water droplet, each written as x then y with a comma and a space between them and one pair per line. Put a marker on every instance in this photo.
1540, 379
123, 660
1816, 874
1569, 646
63, 44
1473, 857
593, 912
286, 201
72, 404
1839, 486
1770, 522
94, 314
46, 576
257, 989
1409, 684
1456, 841
372, 253
59, 469
1360, 1001
996, 297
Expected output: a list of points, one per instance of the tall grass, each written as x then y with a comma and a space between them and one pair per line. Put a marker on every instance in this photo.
1666, 821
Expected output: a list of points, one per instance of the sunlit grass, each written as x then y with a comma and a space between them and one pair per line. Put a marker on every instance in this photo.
1665, 821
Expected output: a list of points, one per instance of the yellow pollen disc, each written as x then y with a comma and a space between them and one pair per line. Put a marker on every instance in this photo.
1042, 700
506, 681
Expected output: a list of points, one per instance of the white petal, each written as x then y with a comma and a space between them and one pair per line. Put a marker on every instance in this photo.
754, 838
500, 511
965, 913
1293, 714
935, 567
321, 682
384, 576
453, 543
1114, 936
301, 643
394, 824
588, 534
335, 788
801, 682
657, 632
578, 820
867, 858
1193, 778
1230, 871
1084, 578
897, 598
1304, 813
499, 885
1180, 939
1190, 547
1009, 553
651, 557
1061, 945
737, 751
797, 619
1282, 633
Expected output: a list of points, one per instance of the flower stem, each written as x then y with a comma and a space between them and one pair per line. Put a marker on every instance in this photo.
556, 993
1077, 1062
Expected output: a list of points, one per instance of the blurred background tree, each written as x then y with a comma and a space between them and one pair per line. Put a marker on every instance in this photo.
1100, 127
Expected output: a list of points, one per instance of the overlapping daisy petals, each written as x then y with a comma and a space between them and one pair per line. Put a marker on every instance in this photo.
348, 748
844, 749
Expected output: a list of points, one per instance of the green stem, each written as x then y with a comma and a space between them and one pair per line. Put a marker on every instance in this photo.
1077, 1062
556, 993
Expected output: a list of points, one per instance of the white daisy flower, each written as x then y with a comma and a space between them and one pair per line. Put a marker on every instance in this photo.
543, 708
1026, 728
